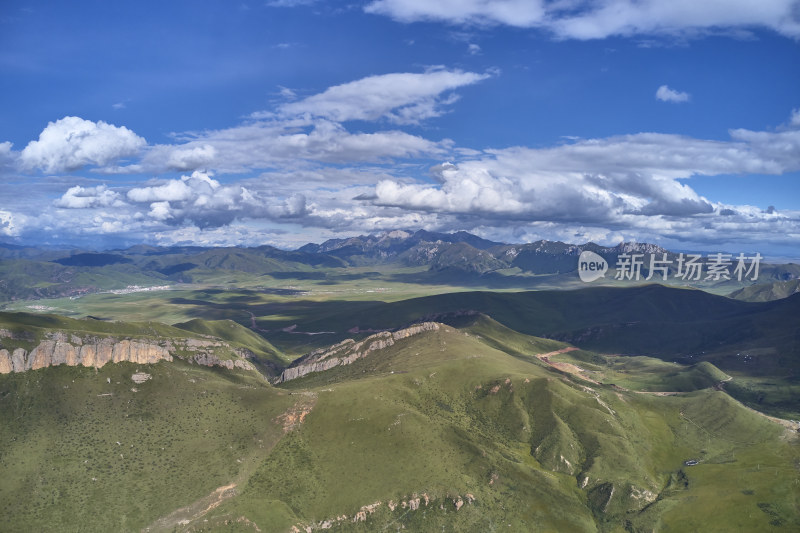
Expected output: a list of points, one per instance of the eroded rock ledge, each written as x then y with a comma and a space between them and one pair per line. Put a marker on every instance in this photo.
414, 503
94, 354
349, 351
90, 351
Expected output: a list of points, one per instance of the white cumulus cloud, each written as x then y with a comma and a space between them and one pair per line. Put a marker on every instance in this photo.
9, 223
598, 19
7, 156
403, 98
266, 144
665, 94
78, 197
520, 13
301, 132
794, 119
5, 150
160, 211
72, 142
191, 158
198, 186
596, 181
201, 200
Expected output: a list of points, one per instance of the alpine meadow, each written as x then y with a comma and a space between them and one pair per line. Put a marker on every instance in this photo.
296, 266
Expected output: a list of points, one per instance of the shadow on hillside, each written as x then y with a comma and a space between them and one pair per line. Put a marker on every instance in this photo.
460, 278
327, 278
334, 314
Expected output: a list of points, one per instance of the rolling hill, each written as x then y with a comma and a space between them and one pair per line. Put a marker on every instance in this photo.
672, 323
472, 428
765, 292
464, 429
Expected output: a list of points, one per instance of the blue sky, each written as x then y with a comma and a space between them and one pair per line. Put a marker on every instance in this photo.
284, 122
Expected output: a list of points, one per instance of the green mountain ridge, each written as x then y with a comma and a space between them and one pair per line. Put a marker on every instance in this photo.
655, 320
475, 412
483, 425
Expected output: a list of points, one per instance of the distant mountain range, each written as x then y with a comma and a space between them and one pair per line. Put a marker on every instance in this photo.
467, 252
454, 258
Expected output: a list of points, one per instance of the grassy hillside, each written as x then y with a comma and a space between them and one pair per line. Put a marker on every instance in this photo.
676, 324
31, 328
755, 341
751, 340
238, 336
450, 414
86, 450
765, 292
79, 273
469, 429
455, 261
653, 320
27, 279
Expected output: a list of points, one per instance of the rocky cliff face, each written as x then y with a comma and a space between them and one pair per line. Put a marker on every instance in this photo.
203, 351
54, 352
349, 351
212, 360
71, 350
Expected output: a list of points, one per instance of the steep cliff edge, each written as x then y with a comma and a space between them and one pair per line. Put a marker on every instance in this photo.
348, 351
53, 352
58, 348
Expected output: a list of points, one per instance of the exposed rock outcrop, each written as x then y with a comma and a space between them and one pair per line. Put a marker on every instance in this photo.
59, 348
414, 503
140, 377
16, 335
208, 359
349, 351
54, 352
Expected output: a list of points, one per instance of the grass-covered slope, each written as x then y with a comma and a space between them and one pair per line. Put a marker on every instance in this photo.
470, 429
87, 450
649, 320
24, 278
27, 329
461, 416
239, 336
54, 275
765, 292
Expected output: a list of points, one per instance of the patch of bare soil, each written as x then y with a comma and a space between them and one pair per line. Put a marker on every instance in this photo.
296, 414
565, 367
196, 510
